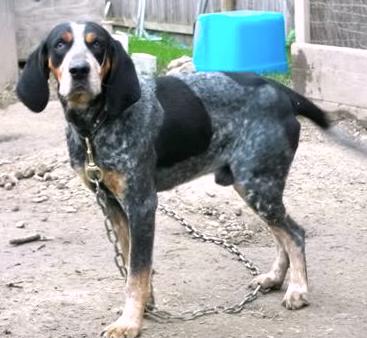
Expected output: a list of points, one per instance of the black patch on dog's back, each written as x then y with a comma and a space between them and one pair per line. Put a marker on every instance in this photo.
186, 129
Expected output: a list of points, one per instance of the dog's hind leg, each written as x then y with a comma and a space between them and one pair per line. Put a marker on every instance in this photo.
264, 197
260, 182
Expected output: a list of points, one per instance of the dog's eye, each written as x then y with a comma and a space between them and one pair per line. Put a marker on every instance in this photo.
60, 45
96, 44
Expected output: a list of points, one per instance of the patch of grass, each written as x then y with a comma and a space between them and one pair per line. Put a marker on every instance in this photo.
286, 78
165, 50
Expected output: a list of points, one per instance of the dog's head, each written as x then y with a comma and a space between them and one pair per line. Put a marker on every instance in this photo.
86, 62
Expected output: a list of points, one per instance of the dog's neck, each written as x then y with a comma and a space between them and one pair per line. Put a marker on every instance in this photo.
85, 119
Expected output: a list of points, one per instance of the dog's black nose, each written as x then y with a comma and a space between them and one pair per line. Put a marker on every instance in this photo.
79, 70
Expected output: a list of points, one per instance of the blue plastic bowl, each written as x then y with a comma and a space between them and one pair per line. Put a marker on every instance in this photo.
240, 41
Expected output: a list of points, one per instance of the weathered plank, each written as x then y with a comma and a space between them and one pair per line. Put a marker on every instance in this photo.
154, 26
228, 5
35, 18
170, 13
331, 74
8, 64
302, 20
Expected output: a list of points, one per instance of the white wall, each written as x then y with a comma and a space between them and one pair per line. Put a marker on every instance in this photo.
9, 61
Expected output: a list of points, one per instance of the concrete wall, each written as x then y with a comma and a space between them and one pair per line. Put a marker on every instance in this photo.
9, 63
334, 76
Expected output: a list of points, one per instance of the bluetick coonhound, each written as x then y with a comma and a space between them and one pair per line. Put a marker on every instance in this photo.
150, 135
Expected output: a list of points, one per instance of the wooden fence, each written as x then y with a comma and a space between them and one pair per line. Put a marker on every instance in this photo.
178, 16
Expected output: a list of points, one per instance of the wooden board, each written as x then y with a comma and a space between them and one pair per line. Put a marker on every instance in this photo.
331, 74
181, 14
35, 18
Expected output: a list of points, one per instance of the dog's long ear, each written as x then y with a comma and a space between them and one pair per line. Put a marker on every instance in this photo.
32, 88
122, 85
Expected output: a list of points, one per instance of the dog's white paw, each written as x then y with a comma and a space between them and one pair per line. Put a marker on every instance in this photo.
267, 281
296, 297
122, 328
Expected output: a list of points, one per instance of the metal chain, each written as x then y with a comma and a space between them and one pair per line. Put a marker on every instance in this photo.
112, 236
154, 313
196, 234
165, 316
95, 176
151, 311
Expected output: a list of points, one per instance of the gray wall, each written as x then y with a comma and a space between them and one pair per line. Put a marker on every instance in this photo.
35, 18
8, 64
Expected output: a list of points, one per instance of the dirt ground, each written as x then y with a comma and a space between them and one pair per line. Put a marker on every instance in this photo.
68, 285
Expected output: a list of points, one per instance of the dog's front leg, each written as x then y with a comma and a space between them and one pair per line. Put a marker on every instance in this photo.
141, 215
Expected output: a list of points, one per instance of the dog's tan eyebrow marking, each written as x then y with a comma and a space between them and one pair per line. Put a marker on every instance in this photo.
90, 37
67, 36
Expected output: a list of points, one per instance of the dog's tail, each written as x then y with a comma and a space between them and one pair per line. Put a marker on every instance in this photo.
306, 108
309, 110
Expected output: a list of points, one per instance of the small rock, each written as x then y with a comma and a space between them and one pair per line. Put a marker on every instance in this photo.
61, 185
179, 62
40, 199
44, 219
208, 212
42, 169
65, 198
5, 178
28, 173
15, 208
20, 225
238, 212
248, 233
48, 177
186, 68
8, 186
69, 210
210, 194
18, 174
222, 218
